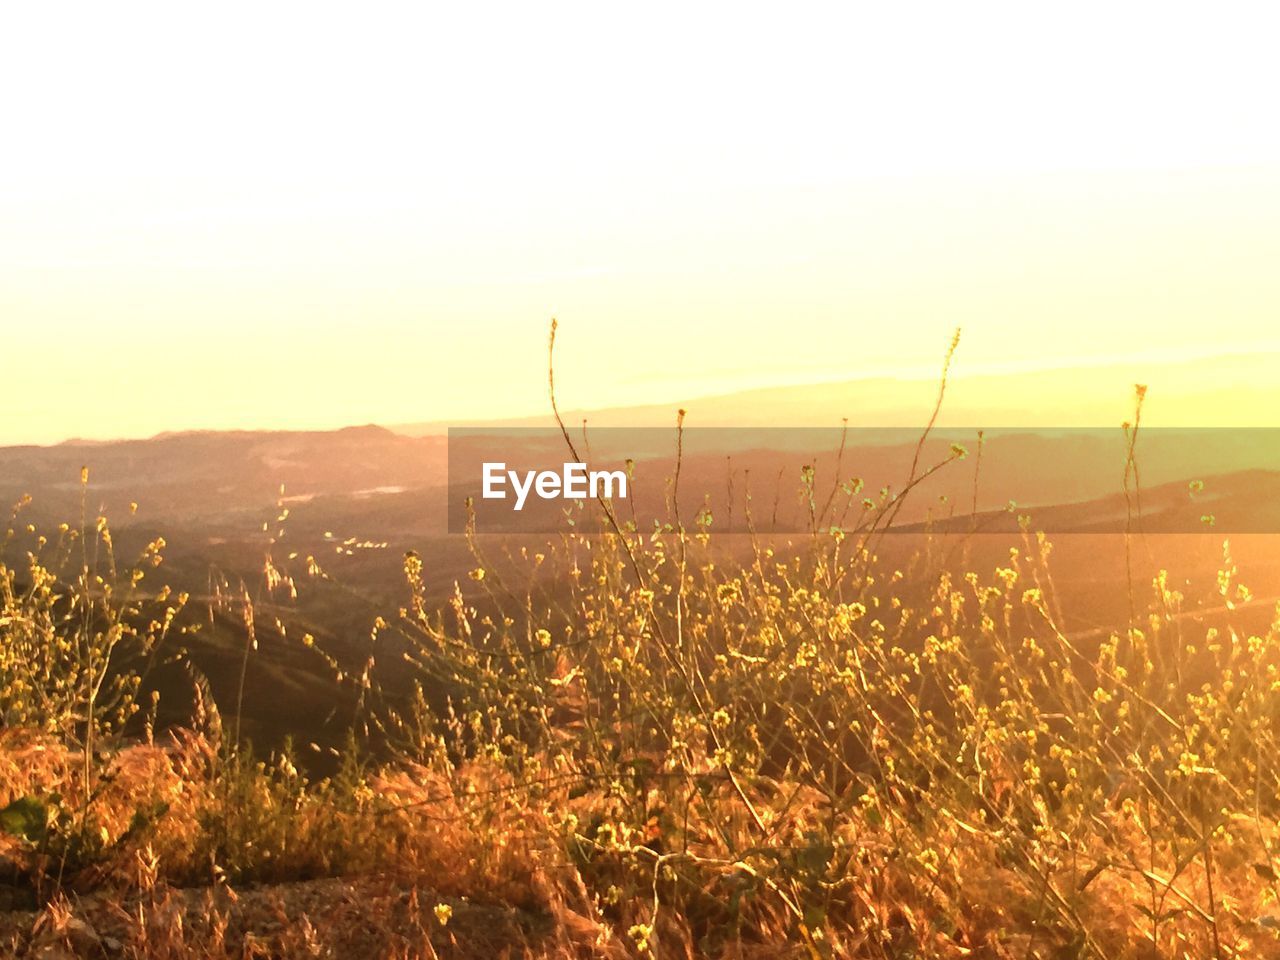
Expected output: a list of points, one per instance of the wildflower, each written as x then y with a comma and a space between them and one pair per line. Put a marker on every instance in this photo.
640, 933
443, 913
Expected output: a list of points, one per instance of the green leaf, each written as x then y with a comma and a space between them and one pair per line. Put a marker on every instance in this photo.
815, 856
26, 817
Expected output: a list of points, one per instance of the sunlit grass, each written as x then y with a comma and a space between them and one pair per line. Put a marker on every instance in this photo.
669, 742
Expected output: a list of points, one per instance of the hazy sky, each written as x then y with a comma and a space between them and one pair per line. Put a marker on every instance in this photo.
302, 215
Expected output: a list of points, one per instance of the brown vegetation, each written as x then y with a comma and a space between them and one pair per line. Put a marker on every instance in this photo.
631, 743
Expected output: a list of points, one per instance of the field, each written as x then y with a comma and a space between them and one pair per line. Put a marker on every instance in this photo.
626, 739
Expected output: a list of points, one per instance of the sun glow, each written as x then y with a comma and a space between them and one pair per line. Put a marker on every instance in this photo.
295, 217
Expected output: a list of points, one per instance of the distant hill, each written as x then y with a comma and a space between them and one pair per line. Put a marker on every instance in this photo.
1229, 390
187, 477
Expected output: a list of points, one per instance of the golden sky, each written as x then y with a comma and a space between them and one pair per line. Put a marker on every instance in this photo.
304, 216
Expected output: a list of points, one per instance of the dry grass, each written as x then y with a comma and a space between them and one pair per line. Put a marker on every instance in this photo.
650, 744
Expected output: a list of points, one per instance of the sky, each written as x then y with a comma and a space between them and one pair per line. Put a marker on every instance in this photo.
311, 215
